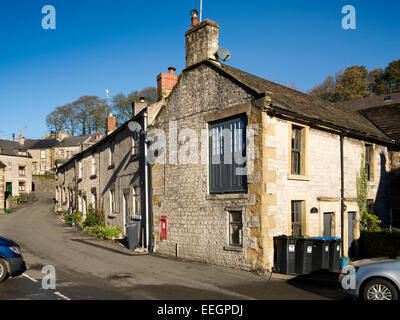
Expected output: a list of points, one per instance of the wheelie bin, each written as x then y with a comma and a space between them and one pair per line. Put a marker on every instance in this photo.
304, 253
320, 257
285, 254
335, 245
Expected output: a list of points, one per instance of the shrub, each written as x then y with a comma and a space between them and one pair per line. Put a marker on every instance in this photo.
68, 218
77, 218
92, 217
108, 233
374, 244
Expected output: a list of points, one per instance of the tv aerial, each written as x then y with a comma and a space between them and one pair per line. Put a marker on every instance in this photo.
224, 54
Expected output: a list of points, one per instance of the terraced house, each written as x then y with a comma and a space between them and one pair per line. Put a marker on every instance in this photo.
15, 170
302, 158
111, 174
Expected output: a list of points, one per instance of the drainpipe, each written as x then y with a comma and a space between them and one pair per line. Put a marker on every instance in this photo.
342, 134
146, 181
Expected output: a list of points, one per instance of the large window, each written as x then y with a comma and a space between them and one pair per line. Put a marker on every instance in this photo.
80, 170
43, 166
369, 161
296, 163
228, 156
43, 154
235, 229
297, 212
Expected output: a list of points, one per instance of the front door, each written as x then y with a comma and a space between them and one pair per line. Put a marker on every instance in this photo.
8, 189
327, 224
126, 211
350, 230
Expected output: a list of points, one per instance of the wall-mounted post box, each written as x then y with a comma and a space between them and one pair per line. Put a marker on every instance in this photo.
163, 228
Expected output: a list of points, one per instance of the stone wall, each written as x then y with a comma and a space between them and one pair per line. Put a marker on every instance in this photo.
42, 184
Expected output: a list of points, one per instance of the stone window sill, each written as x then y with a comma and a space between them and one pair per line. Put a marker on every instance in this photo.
298, 177
232, 196
233, 248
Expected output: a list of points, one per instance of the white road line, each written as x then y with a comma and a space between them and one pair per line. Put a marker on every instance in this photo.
61, 296
29, 277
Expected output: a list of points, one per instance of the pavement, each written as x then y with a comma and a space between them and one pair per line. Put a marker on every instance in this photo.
92, 269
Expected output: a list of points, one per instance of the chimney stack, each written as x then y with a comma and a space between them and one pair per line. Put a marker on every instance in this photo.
138, 106
202, 41
111, 124
166, 82
13, 137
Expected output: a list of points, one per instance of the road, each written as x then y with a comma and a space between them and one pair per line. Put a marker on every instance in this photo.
87, 268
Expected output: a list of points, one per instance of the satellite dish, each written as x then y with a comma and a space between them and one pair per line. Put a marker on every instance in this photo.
224, 54
134, 126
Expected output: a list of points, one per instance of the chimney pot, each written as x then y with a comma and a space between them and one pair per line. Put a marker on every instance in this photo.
171, 70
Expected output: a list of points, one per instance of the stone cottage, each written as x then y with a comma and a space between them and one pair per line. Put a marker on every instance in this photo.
246, 159
17, 174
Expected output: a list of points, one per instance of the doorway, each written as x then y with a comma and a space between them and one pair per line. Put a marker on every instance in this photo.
327, 224
8, 192
350, 231
126, 211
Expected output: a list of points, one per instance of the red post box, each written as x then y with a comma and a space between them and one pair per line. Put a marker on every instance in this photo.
163, 228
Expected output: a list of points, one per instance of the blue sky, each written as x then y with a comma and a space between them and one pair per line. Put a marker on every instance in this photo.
122, 45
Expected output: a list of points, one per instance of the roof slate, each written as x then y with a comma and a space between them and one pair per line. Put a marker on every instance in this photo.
303, 104
376, 101
8, 148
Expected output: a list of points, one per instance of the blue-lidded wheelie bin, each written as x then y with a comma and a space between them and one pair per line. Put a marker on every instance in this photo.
320, 257
285, 254
304, 252
335, 245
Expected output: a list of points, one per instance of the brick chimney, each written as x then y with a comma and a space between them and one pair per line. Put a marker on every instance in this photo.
166, 82
111, 124
202, 41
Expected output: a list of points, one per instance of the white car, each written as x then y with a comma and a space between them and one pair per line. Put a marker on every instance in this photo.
372, 279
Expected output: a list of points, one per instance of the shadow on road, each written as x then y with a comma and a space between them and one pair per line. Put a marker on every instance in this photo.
322, 282
89, 243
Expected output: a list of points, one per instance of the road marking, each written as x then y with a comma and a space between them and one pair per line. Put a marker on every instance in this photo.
29, 277
61, 296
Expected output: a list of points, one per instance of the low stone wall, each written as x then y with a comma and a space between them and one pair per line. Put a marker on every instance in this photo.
20, 201
44, 184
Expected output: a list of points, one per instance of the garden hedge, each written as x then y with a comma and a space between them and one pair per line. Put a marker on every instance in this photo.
374, 244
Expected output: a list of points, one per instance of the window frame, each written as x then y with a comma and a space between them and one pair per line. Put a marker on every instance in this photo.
300, 222
369, 165
296, 150
240, 229
222, 179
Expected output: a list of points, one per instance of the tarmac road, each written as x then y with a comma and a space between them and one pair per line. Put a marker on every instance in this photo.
87, 268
